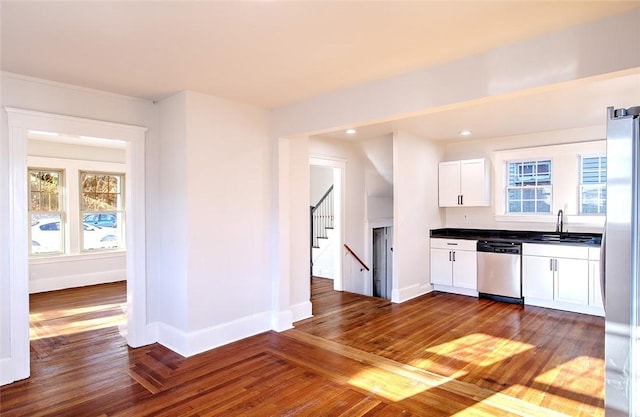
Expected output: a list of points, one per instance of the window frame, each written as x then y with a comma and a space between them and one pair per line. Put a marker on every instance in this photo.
602, 185
72, 167
61, 212
536, 162
119, 213
565, 174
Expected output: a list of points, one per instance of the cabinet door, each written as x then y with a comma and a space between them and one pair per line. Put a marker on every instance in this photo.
595, 293
537, 276
572, 281
441, 267
465, 269
473, 183
448, 183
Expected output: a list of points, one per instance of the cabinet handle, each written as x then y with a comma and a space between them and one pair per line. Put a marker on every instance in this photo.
454, 256
556, 263
449, 256
462, 200
551, 264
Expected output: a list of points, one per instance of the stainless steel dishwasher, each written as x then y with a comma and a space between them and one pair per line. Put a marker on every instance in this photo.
500, 271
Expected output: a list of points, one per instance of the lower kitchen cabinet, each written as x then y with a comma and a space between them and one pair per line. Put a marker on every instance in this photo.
561, 277
595, 288
454, 265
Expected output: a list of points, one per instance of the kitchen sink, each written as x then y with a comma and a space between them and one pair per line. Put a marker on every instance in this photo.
564, 238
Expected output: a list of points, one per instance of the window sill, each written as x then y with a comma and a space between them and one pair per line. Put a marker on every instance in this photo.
569, 220
46, 259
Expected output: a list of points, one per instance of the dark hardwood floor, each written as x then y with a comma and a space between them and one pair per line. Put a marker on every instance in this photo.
437, 355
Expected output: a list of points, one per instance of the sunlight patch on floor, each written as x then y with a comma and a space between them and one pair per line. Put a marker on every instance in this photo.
389, 385
582, 375
479, 349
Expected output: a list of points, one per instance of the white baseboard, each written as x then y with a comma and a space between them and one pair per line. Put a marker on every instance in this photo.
79, 280
410, 292
558, 305
301, 311
282, 320
455, 290
189, 344
6, 376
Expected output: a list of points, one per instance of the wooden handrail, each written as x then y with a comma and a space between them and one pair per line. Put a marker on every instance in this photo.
356, 256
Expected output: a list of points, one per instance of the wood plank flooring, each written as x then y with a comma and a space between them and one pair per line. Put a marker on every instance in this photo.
438, 355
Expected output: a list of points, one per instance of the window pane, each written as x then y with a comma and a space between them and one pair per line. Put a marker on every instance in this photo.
44, 188
101, 192
46, 233
593, 182
529, 186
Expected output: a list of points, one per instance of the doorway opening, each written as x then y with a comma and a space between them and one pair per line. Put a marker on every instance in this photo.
20, 123
326, 189
382, 261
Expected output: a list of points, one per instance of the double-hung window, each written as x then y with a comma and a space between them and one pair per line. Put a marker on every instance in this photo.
46, 212
593, 185
101, 210
529, 187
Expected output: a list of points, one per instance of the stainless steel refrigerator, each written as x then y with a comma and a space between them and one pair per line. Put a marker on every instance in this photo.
619, 264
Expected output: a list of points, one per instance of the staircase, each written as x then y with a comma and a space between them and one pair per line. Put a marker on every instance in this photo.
321, 220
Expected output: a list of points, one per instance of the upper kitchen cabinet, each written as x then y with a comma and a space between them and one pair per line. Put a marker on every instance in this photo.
464, 183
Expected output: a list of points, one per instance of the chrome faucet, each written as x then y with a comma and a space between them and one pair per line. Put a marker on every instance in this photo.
559, 221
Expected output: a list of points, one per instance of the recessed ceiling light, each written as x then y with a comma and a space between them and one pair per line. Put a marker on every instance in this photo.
464, 132
350, 131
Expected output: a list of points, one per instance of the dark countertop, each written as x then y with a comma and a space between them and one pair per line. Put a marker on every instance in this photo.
523, 236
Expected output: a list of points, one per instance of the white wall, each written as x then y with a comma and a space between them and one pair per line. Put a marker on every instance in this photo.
321, 178
28, 93
220, 207
484, 217
416, 211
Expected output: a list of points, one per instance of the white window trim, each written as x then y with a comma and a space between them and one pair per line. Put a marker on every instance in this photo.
552, 152
71, 196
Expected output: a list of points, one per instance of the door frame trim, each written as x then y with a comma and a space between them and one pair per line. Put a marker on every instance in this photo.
20, 121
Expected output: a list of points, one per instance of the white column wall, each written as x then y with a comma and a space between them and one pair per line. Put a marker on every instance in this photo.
415, 206
171, 282
299, 184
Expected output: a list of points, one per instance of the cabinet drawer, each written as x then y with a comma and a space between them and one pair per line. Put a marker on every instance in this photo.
454, 244
555, 251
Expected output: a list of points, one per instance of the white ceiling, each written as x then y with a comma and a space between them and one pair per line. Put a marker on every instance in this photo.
268, 53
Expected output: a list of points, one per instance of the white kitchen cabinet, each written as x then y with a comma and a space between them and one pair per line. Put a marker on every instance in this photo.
572, 280
558, 276
454, 264
464, 183
537, 277
595, 289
